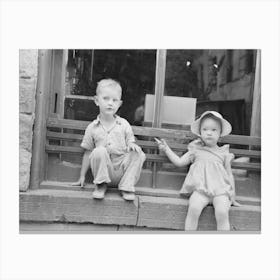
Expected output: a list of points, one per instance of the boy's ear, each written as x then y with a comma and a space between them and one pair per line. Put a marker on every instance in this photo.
95, 98
121, 102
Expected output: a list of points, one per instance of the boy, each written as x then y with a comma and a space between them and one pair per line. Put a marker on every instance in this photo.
109, 144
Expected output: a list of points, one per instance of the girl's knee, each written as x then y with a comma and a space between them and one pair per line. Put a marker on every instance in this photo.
221, 213
194, 210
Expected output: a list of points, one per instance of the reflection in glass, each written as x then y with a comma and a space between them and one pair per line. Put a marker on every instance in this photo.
134, 69
220, 80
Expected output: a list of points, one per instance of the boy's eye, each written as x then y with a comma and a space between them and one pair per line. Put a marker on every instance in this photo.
115, 100
106, 98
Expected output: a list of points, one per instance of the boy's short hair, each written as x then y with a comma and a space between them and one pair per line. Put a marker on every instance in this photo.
108, 83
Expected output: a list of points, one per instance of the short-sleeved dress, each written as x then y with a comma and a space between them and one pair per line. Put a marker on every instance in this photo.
207, 173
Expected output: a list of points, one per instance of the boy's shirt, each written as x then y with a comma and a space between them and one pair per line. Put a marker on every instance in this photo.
115, 140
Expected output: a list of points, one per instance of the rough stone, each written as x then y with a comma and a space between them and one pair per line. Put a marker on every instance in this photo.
159, 212
24, 169
27, 90
76, 206
28, 63
68, 206
25, 131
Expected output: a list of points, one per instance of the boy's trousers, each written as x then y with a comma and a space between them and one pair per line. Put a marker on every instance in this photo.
122, 170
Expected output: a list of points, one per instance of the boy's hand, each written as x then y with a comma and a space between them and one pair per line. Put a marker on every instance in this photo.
134, 147
162, 145
80, 182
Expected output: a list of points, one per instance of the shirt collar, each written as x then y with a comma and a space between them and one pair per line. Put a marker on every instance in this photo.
97, 120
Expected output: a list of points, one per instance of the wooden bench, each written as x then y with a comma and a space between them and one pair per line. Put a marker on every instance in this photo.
64, 137
157, 204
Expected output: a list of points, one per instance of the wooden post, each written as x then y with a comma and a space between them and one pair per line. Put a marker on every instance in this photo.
41, 111
159, 95
91, 65
256, 107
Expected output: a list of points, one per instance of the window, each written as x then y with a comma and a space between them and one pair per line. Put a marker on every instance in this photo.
163, 74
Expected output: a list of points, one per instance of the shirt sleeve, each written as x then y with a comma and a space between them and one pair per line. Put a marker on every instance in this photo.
88, 141
129, 135
192, 147
228, 156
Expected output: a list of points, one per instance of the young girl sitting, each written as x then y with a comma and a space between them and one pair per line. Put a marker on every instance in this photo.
210, 178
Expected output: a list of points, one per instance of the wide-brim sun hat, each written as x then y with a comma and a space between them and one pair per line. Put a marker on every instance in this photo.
226, 126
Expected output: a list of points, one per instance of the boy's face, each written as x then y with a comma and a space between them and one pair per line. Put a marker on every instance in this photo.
108, 100
210, 131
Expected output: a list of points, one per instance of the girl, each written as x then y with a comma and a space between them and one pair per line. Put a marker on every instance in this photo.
210, 178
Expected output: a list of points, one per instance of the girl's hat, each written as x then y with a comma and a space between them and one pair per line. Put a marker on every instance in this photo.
226, 126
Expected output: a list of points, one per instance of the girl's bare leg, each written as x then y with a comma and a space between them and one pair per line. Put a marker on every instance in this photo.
222, 204
196, 204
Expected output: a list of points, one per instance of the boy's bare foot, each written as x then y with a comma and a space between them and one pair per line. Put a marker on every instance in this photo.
100, 190
129, 196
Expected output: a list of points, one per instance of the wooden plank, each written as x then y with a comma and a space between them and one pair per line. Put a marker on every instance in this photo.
241, 140
64, 136
161, 132
63, 149
80, 97
65, 123
151, 144
253, 166
149, 157
158, 132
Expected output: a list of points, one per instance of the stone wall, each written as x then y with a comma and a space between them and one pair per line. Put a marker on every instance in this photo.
28, 71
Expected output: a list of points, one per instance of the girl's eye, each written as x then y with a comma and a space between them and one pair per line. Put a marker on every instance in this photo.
106, 98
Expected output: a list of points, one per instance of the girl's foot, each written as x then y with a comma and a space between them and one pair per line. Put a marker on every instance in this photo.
129, 196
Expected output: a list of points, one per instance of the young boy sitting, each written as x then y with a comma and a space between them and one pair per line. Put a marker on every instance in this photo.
110, 148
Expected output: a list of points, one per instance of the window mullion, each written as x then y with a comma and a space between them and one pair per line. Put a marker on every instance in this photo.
159, 87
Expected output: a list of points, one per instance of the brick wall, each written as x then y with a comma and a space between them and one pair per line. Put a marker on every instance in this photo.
28, 67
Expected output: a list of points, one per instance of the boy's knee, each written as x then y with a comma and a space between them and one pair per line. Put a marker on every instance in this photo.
99, 152
138, 155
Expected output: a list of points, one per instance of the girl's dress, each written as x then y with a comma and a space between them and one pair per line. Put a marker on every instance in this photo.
207, 173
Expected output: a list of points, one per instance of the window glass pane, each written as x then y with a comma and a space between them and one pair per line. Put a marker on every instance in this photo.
220, 80
134, 69
80, 109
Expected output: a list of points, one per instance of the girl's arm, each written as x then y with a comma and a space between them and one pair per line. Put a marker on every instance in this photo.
176, 160
231, 178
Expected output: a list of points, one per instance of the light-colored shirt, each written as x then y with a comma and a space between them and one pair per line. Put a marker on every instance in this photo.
115, 140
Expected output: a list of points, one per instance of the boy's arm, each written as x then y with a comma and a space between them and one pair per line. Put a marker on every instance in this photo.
184, 160
84, 169
130, 139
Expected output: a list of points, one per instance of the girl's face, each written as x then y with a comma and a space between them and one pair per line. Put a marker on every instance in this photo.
210, 131
108, 101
